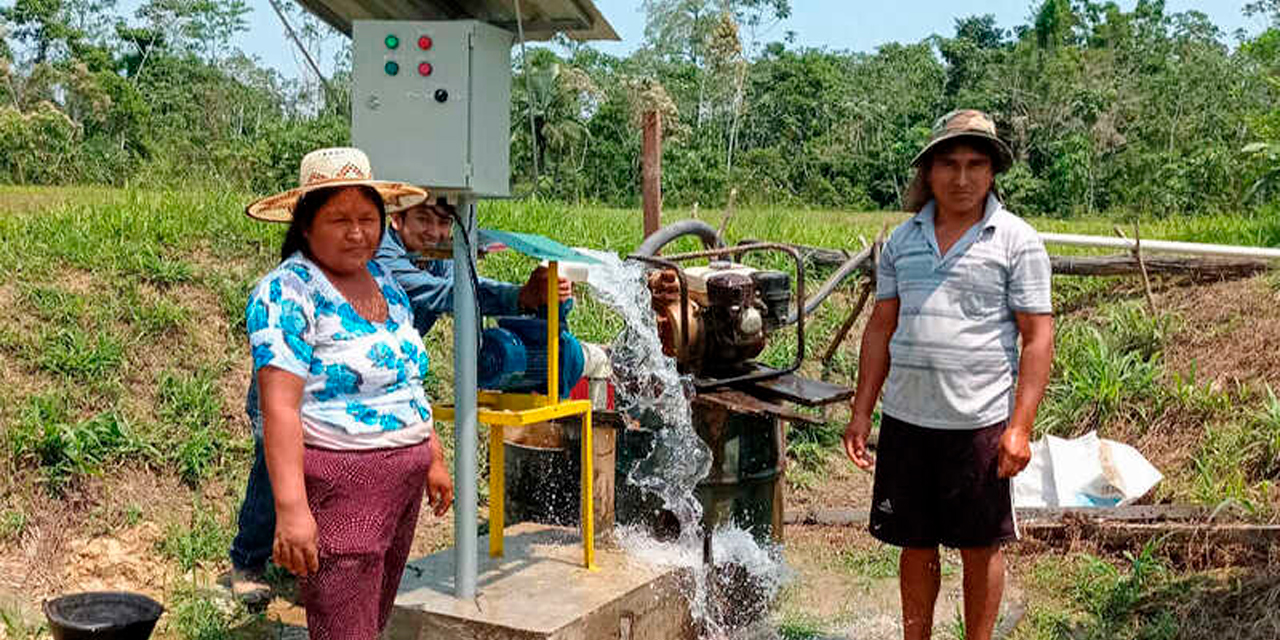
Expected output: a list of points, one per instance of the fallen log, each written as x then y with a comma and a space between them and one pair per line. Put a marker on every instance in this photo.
1120, 265
1115, 265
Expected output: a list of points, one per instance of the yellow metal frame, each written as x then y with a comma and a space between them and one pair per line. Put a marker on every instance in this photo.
499, 410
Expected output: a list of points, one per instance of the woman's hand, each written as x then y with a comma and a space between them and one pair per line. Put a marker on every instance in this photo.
439, 484
295, 545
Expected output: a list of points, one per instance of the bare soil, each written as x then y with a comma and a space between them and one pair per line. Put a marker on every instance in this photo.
1229, 333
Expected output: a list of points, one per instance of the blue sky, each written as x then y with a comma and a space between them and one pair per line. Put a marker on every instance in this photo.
857, 25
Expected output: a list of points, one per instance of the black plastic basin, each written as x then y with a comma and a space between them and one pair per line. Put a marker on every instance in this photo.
102, 615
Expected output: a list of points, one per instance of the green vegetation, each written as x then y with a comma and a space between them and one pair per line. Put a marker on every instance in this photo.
147, 361
1106, 109
801, 627
875, 563
65, 450
205, 539
204, 614
1142, 597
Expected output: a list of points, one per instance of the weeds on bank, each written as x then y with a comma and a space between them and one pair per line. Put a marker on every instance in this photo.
1103, 368
12, 524
798, 626
205, 538
1241, 460
1100, 600
875, 563
191, 408
62, 449
202, 614
17, 626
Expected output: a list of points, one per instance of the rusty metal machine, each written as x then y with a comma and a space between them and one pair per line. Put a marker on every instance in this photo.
716, 319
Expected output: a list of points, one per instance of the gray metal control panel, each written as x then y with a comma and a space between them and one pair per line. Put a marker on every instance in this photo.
431, 103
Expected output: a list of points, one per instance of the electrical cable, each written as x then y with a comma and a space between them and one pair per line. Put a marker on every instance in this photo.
472, 269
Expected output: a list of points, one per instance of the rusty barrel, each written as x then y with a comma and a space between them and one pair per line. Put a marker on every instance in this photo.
543, 471
744, 485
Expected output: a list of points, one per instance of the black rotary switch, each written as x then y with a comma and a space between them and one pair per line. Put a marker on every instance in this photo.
442, 95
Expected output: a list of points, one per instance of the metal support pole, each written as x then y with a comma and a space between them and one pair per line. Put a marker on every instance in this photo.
466, 328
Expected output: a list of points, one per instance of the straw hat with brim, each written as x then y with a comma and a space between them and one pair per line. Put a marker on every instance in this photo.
328, 169
972, 124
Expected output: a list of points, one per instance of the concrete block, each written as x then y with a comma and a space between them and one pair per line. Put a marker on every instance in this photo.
540, 591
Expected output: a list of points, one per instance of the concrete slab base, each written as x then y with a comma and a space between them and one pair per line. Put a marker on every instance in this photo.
540, 590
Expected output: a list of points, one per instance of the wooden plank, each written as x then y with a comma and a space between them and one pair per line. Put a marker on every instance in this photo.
1130, 513
1030, 515
1188, 544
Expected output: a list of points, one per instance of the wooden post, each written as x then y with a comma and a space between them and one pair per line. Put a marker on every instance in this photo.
651, 172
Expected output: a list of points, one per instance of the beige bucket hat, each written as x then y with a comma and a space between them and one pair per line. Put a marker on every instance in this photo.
967, 123
329, 168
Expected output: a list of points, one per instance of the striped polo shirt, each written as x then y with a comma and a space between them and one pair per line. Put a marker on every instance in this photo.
953, 359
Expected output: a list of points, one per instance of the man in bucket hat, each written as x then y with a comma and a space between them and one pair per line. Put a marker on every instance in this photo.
957, 286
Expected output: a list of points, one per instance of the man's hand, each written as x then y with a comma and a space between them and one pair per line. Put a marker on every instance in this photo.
295, 544
534, 292
855, 441
1015, 451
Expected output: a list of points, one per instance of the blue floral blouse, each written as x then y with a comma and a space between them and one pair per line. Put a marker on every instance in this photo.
360, 377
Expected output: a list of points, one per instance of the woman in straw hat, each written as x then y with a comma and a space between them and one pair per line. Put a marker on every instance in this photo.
347, 425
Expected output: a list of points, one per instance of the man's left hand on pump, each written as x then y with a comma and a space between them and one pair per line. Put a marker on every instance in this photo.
534, 293
1015, 451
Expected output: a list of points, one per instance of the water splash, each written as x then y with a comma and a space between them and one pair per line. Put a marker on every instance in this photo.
649, 388
746, 576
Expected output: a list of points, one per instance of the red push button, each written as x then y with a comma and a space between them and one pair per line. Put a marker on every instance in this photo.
424, 69
424, 43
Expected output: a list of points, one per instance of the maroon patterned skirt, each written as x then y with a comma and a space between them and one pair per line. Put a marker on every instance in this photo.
366, 508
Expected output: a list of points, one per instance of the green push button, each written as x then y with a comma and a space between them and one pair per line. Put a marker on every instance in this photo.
391, 67
392, 41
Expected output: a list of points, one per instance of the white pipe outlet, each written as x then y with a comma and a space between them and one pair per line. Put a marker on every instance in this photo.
1163, 246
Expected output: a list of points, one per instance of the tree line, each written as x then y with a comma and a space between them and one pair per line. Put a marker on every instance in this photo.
1105, 109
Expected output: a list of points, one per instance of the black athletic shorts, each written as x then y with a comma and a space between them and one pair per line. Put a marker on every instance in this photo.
940, 487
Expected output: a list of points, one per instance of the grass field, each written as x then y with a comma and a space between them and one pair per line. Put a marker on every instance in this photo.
124, 368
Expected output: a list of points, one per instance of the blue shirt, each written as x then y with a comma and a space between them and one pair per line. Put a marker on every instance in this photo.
430, 294
953, 359
360, 377
430, 289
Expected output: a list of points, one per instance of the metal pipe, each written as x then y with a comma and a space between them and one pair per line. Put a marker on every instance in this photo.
683, 350
850, 267
1166, 246
676, 230
466, 327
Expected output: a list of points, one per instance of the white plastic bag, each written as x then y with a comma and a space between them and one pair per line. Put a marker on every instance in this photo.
1083, 472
